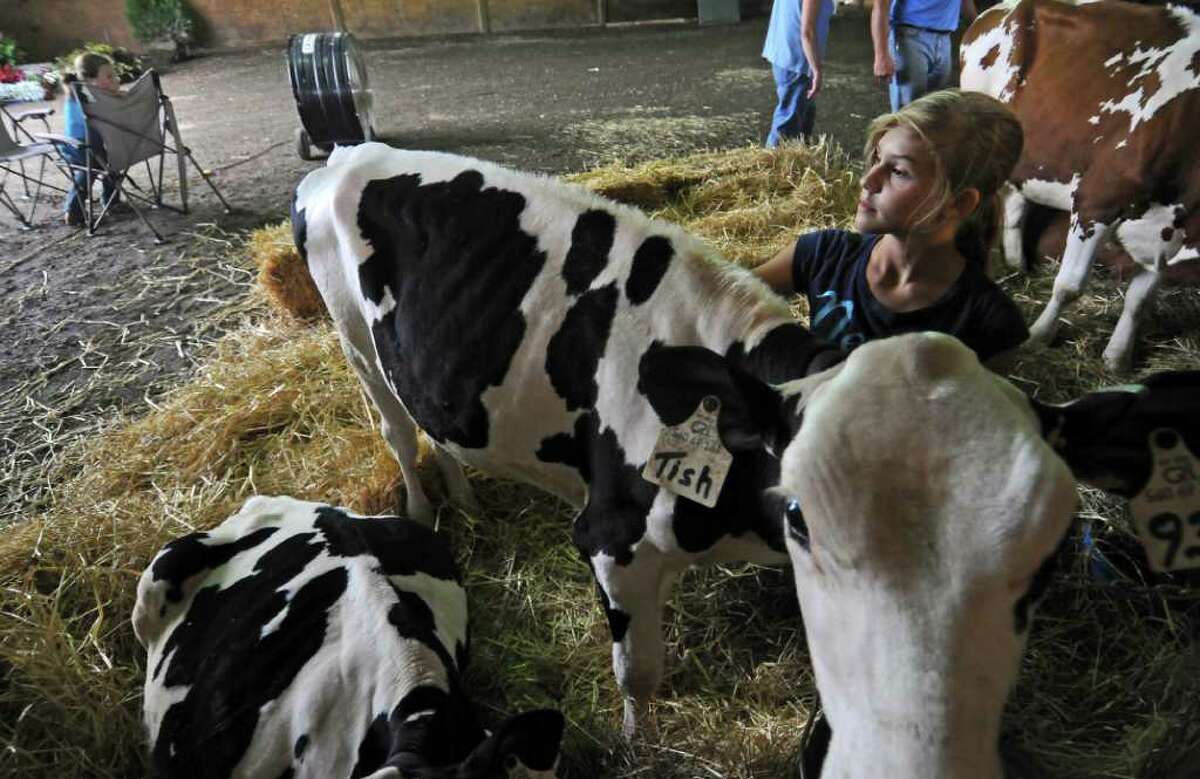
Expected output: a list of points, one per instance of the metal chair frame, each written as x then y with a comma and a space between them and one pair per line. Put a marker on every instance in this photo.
96, 164
14, 154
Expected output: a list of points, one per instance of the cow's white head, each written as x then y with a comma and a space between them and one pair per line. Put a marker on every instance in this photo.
922, 498
923, 506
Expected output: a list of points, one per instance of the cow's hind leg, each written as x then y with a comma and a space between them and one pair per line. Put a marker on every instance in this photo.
457, 485
398, 430
633, 596
1014, 207
1072, 276
1118, 355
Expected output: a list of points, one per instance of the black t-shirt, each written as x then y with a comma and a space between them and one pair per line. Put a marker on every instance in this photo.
830, 268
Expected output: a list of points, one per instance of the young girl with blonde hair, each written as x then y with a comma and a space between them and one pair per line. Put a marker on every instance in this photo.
927, 216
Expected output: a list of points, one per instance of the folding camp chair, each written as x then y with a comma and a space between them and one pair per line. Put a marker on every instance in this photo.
136, 125
18, 148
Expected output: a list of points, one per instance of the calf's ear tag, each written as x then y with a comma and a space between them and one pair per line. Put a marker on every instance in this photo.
1167, 510
689, 458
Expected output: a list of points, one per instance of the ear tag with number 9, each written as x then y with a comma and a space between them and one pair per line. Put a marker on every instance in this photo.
689, 458
1167, 510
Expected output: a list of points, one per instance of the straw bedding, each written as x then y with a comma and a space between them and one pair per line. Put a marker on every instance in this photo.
1108, 688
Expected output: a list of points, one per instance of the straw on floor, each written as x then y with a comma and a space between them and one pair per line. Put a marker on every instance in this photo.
1108, 687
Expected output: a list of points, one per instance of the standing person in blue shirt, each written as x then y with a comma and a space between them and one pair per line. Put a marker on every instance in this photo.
96, 71
912, 44
927, 216
795, 46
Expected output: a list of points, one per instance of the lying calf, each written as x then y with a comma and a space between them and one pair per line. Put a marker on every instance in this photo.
298, 640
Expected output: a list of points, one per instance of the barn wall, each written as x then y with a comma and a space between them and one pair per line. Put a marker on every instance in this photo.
48, 28
507, 15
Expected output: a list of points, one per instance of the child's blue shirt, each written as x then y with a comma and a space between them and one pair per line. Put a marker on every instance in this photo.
76, 123
829, 267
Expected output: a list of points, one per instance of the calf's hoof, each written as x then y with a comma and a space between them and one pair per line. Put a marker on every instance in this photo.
1043, 330
636, 719
1118, 360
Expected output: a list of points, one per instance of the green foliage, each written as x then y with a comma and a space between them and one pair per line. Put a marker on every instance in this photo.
157, 19
127, 66
9, 53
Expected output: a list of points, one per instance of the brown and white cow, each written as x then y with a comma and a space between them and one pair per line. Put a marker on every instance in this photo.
1109, 95
541, 333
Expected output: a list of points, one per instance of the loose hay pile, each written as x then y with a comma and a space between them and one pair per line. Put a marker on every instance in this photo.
1108, 688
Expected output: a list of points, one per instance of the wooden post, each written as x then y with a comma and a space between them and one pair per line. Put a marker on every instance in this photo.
335, 10
602, 12
485, 20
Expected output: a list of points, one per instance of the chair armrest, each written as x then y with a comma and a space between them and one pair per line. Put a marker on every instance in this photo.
32, 113
56, 138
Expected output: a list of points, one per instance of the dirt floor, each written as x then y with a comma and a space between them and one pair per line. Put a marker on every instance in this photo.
100, 324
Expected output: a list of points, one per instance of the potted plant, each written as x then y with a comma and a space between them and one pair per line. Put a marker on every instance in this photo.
162, 25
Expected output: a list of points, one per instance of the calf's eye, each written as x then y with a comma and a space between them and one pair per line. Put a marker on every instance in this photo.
794, 524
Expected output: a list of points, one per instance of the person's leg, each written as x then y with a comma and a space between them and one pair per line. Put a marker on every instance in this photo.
792, 108
808, 114
73, 205
941, 67
108, 180
910, 80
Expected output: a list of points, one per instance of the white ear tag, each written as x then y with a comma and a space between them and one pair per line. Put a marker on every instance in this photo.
689, 459
1167, 510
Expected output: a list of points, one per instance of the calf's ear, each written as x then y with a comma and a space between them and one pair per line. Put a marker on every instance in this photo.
675, 379
1104, 435
531, 739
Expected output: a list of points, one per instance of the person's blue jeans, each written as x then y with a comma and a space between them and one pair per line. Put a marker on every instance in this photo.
794, 112
923, 64
75, 202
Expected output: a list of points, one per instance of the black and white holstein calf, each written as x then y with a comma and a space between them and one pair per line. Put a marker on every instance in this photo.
297, 640
544, 334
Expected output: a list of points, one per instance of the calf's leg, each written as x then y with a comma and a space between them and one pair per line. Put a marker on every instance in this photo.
633, 596
1072, 276
456, 481
1118, 355
1014, 207
398, 430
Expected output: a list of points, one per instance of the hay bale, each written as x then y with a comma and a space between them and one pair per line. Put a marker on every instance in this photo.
283, 274
748, 203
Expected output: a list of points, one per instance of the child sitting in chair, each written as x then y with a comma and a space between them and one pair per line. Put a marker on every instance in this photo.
96, 71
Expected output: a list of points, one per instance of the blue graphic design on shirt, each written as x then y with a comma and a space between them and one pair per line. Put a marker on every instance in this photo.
835, 326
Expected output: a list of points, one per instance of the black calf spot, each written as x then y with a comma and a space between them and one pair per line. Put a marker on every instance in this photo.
232, 670
402, 547
374, 747
185, 557
744, 506
560, 448
618, 621
574, 352
650, 263
301, 745
591, 241
618, 497
455, 260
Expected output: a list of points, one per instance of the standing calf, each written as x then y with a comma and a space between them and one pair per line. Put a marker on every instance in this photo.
541, 333
1109, 95
296, 639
